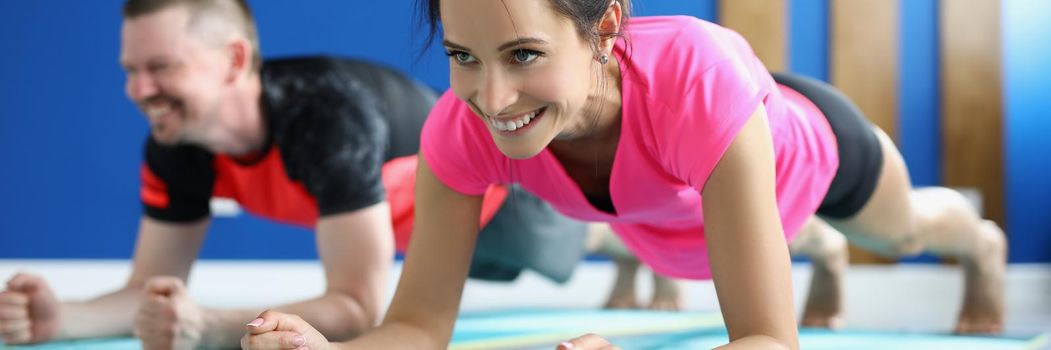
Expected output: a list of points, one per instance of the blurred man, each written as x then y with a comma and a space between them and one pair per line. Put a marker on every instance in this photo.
299, 141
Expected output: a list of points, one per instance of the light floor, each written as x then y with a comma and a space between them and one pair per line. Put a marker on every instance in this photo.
909, 297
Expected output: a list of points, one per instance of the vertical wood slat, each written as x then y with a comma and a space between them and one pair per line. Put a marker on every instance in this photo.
864, 65
971, 100
763, 24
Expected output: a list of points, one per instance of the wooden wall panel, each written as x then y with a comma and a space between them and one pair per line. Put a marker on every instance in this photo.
864, 65
763, 24
971, 100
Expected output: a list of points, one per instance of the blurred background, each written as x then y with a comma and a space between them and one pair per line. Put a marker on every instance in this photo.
960, 84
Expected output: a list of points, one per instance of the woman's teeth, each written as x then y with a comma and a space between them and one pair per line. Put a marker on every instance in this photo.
514, 124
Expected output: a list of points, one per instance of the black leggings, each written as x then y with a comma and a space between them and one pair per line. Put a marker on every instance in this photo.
860, 155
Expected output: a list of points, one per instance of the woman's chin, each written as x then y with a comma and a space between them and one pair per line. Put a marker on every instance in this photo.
518, 151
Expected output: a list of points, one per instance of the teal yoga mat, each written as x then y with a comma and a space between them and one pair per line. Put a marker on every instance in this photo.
812, 339
542, 329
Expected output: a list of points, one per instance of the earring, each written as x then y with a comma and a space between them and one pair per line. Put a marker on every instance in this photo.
603, 59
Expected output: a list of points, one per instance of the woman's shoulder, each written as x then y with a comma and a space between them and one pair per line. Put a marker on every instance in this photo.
682, 34
672, 56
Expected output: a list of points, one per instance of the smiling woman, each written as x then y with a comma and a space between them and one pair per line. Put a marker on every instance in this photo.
703, 164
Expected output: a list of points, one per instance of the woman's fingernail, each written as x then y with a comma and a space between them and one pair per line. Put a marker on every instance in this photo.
299, 340
566, 345
256, 322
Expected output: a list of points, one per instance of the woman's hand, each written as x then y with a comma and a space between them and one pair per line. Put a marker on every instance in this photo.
278, 331
587, 342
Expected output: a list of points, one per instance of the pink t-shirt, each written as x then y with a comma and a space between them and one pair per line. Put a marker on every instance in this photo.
688, 87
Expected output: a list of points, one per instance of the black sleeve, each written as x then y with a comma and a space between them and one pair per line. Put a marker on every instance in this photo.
177, 182
406, 105
335, 147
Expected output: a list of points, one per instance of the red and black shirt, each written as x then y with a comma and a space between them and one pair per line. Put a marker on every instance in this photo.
331, 125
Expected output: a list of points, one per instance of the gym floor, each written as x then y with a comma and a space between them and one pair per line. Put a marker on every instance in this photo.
904, 298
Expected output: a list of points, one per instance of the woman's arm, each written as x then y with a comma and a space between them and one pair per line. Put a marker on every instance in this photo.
427, 299
749, 257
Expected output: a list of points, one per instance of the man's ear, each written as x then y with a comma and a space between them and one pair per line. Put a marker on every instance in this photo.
241, 53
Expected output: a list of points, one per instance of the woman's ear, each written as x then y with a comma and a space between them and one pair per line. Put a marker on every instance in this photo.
609, 27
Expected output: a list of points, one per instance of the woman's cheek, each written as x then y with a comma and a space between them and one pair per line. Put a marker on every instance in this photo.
461, 83
550, 86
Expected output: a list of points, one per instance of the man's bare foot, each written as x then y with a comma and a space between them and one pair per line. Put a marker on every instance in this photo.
983, 301
623, 294
666, 294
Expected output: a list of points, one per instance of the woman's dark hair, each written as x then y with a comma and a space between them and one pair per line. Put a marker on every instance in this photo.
585, 15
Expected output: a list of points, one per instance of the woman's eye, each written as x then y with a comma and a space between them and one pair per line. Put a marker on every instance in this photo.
461, 57
523, 56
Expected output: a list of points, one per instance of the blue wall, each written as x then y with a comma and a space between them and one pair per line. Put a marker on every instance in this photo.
703, 9
919, 128
1027, 55
70, 143
808, 38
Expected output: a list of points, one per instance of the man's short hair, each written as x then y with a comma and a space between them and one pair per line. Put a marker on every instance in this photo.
210, 18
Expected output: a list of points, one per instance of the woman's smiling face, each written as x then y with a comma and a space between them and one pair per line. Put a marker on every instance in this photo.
523, 68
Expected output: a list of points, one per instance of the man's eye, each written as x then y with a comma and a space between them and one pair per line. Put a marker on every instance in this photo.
158, 67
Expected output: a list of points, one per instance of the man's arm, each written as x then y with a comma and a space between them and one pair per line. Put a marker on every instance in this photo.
357, 250
162, 249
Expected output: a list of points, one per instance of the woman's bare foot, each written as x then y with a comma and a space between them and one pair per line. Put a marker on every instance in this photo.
983, 301
827, 249
824, 305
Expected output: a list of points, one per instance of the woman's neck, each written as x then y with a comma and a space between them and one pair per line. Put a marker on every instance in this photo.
600, 118
599, 129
